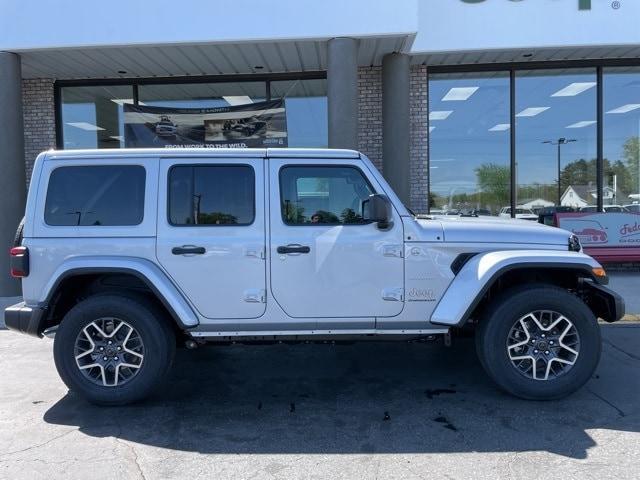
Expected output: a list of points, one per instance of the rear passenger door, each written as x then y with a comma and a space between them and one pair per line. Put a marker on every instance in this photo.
211, 233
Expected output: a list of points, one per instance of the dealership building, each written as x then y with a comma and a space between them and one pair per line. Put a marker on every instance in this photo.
482, 106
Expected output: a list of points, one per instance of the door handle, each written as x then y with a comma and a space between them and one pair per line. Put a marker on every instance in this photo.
188, 249
293, 248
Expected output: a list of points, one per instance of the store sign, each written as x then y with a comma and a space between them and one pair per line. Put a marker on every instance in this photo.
582, 4
262, 124
603, 229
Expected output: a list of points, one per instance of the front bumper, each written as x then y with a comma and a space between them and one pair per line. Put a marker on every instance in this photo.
24, 319
606, 303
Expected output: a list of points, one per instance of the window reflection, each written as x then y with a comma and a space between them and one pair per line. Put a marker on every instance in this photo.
92, 117
621, 90
202, 95
556, 138
469, 143
306, 107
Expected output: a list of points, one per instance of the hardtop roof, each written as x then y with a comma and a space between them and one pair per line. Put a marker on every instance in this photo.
326, 153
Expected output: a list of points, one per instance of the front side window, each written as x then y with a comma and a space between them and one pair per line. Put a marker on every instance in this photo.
211, 195
107, 195
323, 195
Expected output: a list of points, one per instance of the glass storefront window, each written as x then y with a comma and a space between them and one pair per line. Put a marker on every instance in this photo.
306, 108
556, 138
621, 89
201, 95
92, 117
469, 143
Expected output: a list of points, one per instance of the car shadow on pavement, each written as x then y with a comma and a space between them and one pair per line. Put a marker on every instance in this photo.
364, 398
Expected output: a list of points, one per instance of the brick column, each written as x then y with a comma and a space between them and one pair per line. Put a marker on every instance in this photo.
419, 143
39, 119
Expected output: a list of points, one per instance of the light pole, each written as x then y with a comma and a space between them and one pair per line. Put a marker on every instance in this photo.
559, 142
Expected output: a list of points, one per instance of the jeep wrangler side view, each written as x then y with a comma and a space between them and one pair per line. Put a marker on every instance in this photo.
126, 254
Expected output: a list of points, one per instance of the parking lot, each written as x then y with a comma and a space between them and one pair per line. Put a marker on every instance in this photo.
376, 410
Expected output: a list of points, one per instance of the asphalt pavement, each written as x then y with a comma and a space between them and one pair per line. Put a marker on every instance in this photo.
369, 410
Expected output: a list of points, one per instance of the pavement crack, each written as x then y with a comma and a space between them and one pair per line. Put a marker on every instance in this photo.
600, 397
635, 357
57, 437
134, 453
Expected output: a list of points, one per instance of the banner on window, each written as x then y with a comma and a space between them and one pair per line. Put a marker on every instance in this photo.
262, 124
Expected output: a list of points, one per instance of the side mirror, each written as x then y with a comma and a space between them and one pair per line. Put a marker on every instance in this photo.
377, 208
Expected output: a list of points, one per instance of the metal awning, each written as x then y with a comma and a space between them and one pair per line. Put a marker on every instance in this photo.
197, 59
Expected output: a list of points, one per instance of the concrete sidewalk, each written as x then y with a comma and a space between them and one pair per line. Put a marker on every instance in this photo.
627, 284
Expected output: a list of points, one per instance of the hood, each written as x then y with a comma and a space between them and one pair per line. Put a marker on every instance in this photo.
496, 230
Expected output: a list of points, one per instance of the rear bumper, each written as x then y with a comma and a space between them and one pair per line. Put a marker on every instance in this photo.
24, 319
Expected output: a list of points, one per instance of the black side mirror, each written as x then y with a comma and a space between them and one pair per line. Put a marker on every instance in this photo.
377, 208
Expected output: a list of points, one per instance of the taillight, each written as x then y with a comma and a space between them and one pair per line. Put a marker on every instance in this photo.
19, 262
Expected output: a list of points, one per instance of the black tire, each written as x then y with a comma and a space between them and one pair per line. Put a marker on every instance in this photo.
152, 327
17, 239
503, 313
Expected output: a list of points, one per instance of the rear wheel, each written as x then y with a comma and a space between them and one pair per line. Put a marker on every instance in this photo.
113, 349
539, 342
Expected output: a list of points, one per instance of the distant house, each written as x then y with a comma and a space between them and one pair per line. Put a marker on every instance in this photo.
535, 204
577, 196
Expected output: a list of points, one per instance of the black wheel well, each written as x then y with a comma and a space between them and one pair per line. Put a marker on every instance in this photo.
569, 279
77, 287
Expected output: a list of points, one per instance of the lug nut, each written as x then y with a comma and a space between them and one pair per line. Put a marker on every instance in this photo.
109, 342
119, 348
116, 358
546, 352
101, 349
535, 351
543, 335
105, 358
551, 342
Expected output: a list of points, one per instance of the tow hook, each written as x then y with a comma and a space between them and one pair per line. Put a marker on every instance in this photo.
191, 344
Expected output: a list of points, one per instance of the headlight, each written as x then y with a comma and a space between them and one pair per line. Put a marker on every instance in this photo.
574, 244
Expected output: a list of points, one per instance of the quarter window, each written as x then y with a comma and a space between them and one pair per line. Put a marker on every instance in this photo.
211, 195
323, 195
108, 195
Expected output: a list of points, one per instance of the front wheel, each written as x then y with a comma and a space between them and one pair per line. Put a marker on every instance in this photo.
539, 342
113, 349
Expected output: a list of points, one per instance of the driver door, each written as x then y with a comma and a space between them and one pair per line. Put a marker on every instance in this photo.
326, 261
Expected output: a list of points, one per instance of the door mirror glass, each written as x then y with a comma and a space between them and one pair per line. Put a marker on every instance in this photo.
377, 208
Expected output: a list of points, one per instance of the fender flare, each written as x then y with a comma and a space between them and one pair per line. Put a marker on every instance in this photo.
149, 273
481, 271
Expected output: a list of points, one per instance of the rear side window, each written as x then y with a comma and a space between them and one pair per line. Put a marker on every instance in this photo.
209, 195
105, 195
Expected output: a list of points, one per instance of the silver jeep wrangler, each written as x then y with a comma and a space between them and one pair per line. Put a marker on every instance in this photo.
126, 254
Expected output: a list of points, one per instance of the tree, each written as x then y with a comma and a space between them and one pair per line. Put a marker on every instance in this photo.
494, 181
631, 155
583, 172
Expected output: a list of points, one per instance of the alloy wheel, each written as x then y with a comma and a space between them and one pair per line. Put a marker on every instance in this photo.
543, 345
109, 352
